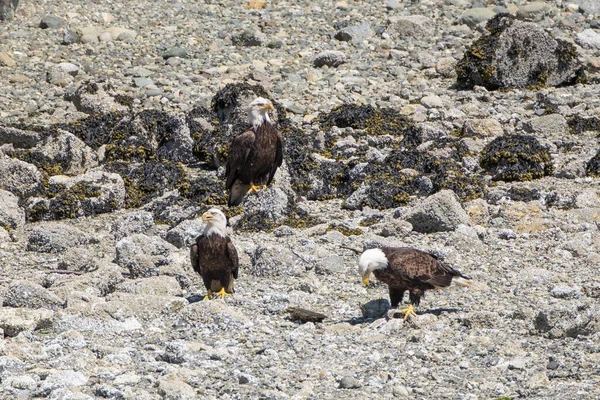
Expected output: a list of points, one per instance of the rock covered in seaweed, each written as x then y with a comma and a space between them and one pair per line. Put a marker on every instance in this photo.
517, 54
516, 158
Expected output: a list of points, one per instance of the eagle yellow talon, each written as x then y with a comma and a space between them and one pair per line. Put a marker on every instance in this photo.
222, 293
254, 188
408, 312
208, 296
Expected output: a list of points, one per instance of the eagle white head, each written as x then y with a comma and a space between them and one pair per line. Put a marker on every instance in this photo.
369, 261
216, 222
258, 111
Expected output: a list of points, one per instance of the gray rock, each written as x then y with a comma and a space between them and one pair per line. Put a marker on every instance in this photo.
4, 235
375, 308
437, 213
566, 292
263, 209
332, 264
16, 320
588, 6
11, 364
249, 38
133, 222
349, 382
474, 16
61, 379
66, 152
54, 237
410, 26
78, 259
70, 36
547, 125
557, 323
180, 52
143, 255
22, 382
541, 60
179, 146
67, 394
18, 138
91, 193
7, 9
51, 21
589, 39
24, 294
330, 58
95, 98
142, 82
109, 392
487, 127
185, 233
272, 260
534, 11
11, 215
355, 33
392, 4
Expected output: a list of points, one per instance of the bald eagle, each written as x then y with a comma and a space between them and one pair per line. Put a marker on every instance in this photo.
214, 256
404, 268
254, 155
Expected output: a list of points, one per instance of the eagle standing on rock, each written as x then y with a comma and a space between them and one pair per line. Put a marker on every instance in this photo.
255, 155
214, 256
403, 268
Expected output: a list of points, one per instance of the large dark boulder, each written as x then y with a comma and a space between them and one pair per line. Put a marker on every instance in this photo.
517, 54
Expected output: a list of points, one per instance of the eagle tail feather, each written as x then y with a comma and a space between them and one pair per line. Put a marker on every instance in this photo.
463, 281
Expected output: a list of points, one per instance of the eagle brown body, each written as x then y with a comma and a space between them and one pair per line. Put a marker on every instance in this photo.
216, 260
415, 271
254, 158
214, 255
406, 269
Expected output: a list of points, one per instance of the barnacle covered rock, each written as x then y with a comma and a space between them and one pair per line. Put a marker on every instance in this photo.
517, 54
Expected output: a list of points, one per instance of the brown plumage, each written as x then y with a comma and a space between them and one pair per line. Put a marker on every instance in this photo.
254, 155
214, 256
406, 269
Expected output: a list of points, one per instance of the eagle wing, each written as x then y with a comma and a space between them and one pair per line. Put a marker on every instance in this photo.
195, 257
278, 157
233, 257
415, 265
238, 155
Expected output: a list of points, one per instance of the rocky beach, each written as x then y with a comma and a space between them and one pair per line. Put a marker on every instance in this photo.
464, 128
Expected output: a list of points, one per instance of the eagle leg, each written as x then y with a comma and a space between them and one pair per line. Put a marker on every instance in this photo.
254, 188
208, 296
408, 312
222, 293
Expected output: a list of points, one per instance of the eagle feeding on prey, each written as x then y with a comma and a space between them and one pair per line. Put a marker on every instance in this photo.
214, 256
254, 155
403, 268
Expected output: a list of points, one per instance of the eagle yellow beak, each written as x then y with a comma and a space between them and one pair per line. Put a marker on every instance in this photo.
206, 216
268, 107
366, 280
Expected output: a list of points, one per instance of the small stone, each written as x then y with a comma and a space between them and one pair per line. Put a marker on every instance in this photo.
392, 4
256, 5
355, 33
5, 60
589, 39
180, 52
50, 21
349, 382
517, 363
330, 58
475, 16
432, 101
70, 36
142, 82
533, 11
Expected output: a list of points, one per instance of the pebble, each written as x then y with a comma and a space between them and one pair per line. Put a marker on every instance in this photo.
6, 60
50, 21
349, 382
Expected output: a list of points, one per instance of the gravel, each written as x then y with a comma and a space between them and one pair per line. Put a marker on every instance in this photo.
100, 301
